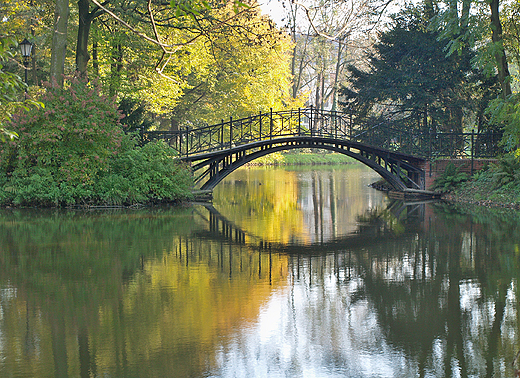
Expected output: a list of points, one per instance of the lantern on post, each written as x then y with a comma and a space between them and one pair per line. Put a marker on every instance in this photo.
26, 49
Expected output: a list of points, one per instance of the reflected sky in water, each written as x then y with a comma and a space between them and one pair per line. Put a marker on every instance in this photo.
289, 273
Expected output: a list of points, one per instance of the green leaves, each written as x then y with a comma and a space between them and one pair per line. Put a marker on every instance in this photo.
11, 86
450, 179
194, 8
506, 114
412, 79
74, 152
189, 7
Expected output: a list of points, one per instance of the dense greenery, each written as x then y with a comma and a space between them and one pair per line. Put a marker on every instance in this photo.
436, 66
450, 179
412, 82
195, 64
157, 65
498, 184
10, 87
74, 152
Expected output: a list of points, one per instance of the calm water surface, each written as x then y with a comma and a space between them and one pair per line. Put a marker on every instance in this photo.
289, 273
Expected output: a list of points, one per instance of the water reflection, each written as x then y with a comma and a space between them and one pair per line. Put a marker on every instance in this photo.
298, 206
439, 300
392, 290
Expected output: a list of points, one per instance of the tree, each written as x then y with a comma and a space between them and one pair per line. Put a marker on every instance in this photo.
181, 59
500, 54
410, 78
243, 69
59, 41
327, 36
223, 61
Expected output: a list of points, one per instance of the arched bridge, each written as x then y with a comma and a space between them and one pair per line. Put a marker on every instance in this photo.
216, 151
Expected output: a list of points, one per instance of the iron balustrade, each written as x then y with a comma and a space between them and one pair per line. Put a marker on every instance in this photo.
321, 123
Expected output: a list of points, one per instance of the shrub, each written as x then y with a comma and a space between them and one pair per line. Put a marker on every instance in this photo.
450, 179
74, 151
148, 173
506, 171
72, 137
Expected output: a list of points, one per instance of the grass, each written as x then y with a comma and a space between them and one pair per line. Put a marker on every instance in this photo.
303, 157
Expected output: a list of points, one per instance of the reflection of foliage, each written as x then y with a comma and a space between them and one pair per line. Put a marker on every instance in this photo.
447, 211
499, 228
381, 218
394, 218
417, 283
267, 207
91, 275
282, 204
500, 224
69, 263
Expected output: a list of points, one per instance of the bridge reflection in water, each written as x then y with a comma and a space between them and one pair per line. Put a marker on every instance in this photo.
410, 293
413, 291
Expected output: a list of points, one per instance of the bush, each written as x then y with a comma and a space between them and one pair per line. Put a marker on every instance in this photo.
506, 171
450, 179
72, 137
149, 173
74, 151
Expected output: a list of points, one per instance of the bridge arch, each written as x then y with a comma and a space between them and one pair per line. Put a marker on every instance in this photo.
401, 171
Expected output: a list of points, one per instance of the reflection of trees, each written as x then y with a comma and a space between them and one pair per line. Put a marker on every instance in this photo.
62, 267
297, 206
139, 294
440, 294
122, 294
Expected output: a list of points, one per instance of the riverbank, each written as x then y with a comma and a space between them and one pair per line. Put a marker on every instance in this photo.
302, 158
496, 199
497, 186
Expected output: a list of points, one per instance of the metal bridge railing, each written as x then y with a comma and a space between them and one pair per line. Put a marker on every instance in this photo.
314, 122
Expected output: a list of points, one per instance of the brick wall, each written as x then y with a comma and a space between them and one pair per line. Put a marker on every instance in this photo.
436, 168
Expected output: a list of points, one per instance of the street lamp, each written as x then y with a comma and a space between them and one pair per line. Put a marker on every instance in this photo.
26, 48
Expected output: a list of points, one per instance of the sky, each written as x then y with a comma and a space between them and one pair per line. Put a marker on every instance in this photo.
274, 9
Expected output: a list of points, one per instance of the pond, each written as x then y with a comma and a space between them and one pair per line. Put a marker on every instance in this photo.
290, 272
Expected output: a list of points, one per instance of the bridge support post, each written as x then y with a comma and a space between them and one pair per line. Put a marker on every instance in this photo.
271, 124
299, 122
311, 126
230, 132
222, 132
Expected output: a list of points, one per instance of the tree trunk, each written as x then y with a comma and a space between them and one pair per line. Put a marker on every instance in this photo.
339, 64
464, 18
59, 41
297, 78
95, 60
318, 89
95, 47
500, 55
116, 68
85, 20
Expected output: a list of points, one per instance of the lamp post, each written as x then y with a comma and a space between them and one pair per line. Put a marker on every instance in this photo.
26, 48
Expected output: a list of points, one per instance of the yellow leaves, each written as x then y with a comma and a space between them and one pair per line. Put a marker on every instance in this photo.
197, 293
